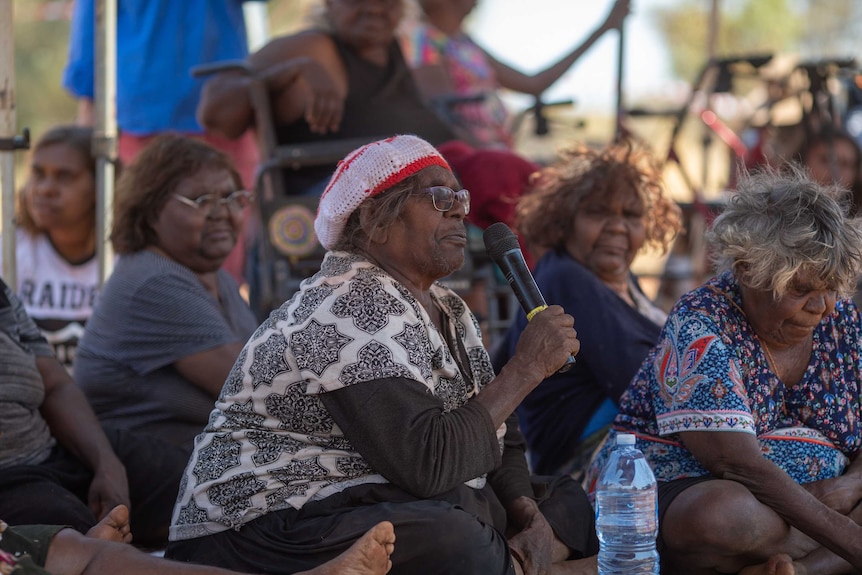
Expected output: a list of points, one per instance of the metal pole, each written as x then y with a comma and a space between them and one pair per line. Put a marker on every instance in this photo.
7, 133
256, 15
105, 130
712, 38
618, 132
711, 44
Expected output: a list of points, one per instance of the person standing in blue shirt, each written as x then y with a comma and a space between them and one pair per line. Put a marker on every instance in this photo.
158, 43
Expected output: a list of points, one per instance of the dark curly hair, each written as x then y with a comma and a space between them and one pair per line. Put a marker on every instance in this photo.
545, 215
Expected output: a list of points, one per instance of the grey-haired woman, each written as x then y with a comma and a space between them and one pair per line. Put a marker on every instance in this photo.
749, 408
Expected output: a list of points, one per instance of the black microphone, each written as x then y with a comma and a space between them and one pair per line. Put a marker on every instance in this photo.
502, 245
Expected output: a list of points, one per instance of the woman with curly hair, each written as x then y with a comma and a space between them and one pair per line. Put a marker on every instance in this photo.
585, 218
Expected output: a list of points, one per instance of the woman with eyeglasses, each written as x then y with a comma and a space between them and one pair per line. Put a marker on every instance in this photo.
169, 323
369, 396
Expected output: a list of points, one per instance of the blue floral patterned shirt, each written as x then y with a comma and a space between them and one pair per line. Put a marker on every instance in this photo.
709, 372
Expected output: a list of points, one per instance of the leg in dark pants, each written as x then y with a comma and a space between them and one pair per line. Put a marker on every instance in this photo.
154, 468
460, 531
53, 493
432, 538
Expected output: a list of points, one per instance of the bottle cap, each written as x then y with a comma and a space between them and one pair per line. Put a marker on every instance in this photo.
625, 439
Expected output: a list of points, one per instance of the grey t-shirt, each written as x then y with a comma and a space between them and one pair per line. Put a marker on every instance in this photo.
152, 312
26, 438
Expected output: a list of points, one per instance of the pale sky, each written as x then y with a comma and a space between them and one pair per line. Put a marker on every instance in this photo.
532, 39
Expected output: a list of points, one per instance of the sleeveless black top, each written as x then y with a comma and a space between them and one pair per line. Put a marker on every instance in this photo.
381, 102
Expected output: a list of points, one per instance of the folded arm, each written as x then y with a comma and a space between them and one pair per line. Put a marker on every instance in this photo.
842, 493
303, 75
394, 421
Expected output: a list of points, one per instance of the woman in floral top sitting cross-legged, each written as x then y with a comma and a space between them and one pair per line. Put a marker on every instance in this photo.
748, 408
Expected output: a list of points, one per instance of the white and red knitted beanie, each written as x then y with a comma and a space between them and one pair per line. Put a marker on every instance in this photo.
366, 172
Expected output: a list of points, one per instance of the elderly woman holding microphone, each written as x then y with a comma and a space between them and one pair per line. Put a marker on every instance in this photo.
369, 396
748, 409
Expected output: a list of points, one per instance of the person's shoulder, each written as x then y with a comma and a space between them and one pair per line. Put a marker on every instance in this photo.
847, 314
558, 266
314, 44
144, 262
28, 241
23, 247
337, 277
716, 300
28, 248
429, 34
308, 42
146, 269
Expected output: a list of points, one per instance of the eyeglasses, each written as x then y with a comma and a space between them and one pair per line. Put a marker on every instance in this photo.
207, 203
443, 198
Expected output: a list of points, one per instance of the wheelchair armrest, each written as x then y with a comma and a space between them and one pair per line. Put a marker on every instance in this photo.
540, 104
300, 155
318, 153
211, 68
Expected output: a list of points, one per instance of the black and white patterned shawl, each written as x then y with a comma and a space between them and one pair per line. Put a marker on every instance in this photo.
270, 443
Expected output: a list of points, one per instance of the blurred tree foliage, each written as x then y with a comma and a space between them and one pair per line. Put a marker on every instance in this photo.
41, 33
811, 28
41, 36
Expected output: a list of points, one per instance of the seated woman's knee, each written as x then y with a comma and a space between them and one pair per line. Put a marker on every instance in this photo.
709, 514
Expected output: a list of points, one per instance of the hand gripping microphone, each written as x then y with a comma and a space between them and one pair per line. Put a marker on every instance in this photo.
502, 245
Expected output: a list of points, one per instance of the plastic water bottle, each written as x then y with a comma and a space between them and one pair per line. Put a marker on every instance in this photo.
627, 512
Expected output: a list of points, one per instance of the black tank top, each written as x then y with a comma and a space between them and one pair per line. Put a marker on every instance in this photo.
381, 102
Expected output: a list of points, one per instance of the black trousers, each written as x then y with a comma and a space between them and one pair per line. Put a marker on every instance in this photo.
55, 491
460, 531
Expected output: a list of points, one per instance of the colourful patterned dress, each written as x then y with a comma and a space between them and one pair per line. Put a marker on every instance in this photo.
467, 66
709, 372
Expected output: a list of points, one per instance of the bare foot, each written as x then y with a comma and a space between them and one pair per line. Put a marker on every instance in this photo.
777, 565
368, 556
114, 526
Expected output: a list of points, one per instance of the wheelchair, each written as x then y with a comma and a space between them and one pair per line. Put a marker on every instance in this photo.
285, 250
